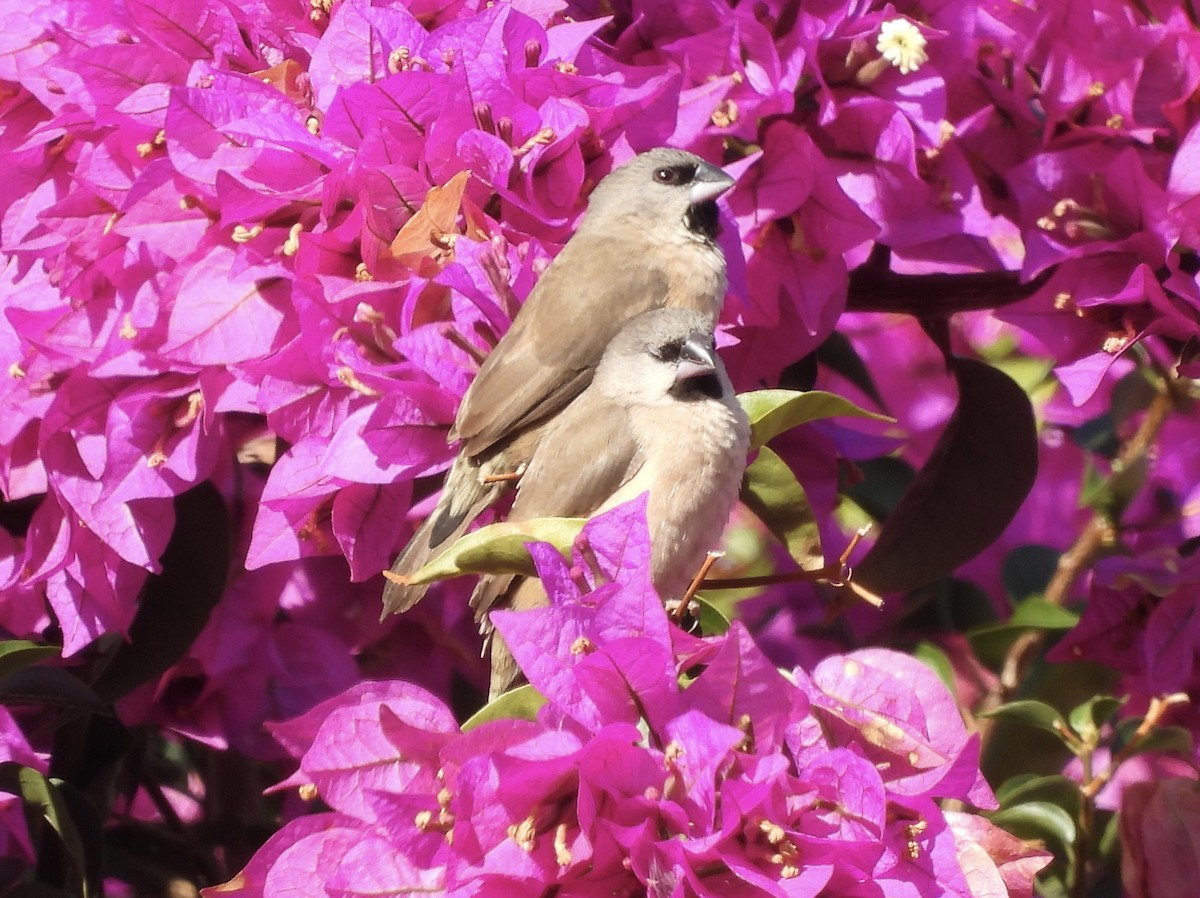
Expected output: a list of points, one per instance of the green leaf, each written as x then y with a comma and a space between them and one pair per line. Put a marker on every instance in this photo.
52, 686
1038, 614
992, 641
1031, 713
1172, 739
521, 703
500, 549
43, 803
18, 653
1040, 820
1055, 789
771, 412
712, 621
937, 661
976, 479
771, 491
1088, 718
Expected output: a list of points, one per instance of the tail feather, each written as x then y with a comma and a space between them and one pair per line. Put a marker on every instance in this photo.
464, 498
511, 592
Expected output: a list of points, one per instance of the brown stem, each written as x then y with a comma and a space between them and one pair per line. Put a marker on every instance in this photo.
1159, 705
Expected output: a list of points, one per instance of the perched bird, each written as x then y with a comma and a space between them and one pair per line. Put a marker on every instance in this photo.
648, 240
661, 417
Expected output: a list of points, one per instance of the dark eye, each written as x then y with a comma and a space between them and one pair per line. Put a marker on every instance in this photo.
675, 175
668, 352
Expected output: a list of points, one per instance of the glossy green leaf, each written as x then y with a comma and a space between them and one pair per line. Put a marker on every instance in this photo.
1039, 820
771, 491
521, 703
981, 469
500, 549
1030, 713
771, 412
18, 653
1087, 719
1055, 789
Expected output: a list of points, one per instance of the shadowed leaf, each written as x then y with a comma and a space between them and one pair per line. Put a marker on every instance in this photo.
771, 491
1031, 713
18, 653
983, 466
175, 605
1173, 739
713, 621
1040, 820
771, 412
1055, 789
50, 686
44, 804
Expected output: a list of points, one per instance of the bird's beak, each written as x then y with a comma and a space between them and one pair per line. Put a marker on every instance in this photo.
709, 183
695, 360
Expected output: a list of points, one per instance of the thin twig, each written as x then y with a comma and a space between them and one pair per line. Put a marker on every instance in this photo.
507, 477
709, 560
1159, 705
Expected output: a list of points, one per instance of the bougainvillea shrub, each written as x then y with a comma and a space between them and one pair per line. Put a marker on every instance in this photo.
252, 254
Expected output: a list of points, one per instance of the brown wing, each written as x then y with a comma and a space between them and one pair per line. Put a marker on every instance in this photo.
583, 459
546, 359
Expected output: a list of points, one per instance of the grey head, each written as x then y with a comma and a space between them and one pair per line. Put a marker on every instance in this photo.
660, 185
661, 357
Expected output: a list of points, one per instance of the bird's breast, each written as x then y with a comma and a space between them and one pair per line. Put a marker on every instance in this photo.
695, 276
694, 459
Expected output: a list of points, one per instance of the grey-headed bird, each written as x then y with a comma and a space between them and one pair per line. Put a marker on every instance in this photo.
648, 240
660, 417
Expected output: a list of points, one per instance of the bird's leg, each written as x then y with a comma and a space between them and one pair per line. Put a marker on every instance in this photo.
686, 599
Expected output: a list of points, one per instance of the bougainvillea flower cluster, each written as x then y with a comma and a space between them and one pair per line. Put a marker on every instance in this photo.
742, 781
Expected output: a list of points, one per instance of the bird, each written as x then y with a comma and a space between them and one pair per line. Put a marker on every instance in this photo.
647, 240
659, 417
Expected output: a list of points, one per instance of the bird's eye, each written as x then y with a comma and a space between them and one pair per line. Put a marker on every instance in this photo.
675, 175
668, 352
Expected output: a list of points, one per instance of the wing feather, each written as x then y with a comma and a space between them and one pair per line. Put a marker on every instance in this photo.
546, 359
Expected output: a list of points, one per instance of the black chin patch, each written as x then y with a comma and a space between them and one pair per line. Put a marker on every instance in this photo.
694, 389
702, 218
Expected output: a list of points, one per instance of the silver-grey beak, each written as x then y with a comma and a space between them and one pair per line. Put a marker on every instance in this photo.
695, 360
709, 183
